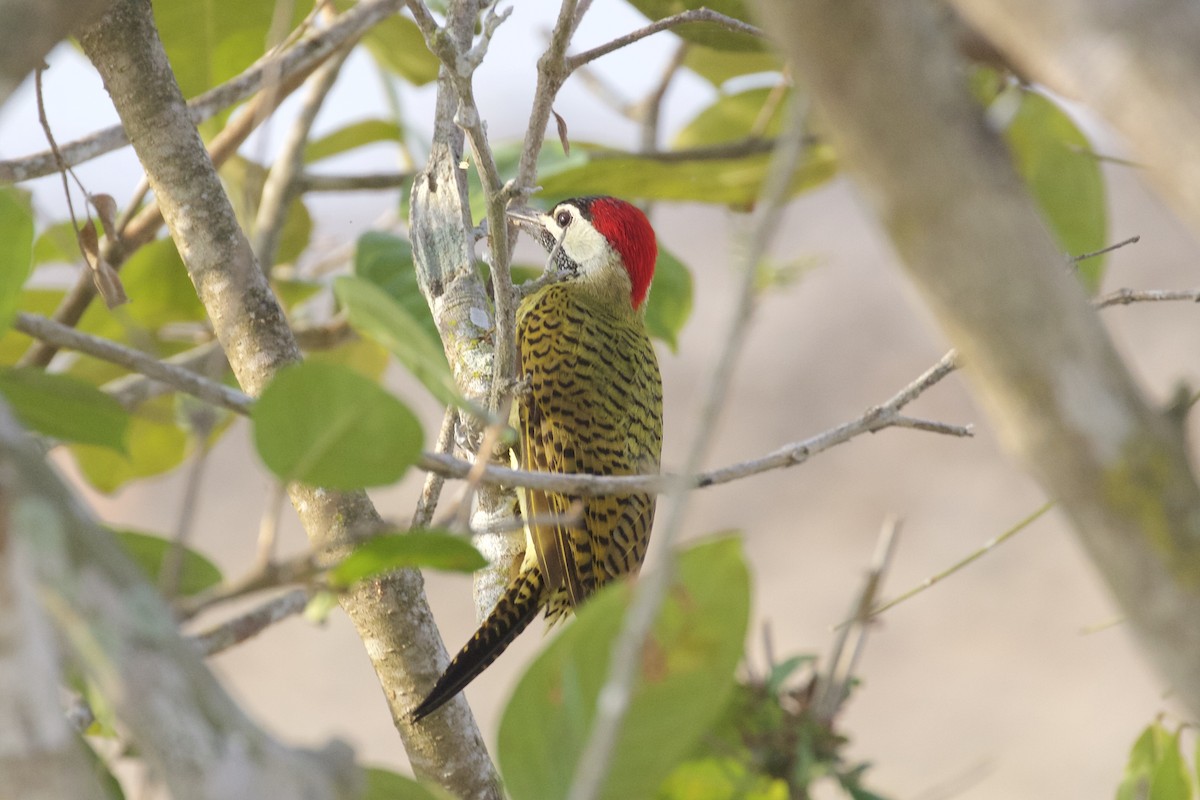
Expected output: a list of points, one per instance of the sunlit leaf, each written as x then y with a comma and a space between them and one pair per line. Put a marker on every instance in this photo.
210, 42
1156, 770
326, 425
669, 303
64, 408
16, 249
356, 134
381, 554
685, 676
732, 117
365, 356
149, 551
373, 312
718, 66
1055, 159
720, 779
706, 34
729, 181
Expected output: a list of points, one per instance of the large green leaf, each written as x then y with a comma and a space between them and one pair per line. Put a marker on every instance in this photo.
381, 554
349, 137
730, 181
149, 551
1055, 159
155, 444
398, 46
373, 312
718, 66
211, 41
64, 408
387, 261
1156, 770
670, 301
16, 248
326, 425
732, 117
707, 34
685, 676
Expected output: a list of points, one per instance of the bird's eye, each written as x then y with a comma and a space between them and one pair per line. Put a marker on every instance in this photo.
563, 218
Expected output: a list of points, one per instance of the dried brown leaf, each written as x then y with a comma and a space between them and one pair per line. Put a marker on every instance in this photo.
562, 132
106, 208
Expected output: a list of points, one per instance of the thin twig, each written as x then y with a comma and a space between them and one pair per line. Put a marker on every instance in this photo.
649, 592
747, 146
369, 182
303, 56
299, 569
244, 626
202, 421
683, 18
833, 687
268, 526
1109, 249
1124, 297
431, 492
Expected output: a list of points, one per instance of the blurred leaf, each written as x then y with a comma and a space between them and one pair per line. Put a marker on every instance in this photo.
686, 675
387, 261
154, 444
381, 554
729, 181
210, 42
704, 33
365, 356
245, 179
326, 425
372, 312
356, 134
397, 44
720, 779
161, 293
56, 244
669, 303
1156, 770
13, 343
294, 291
383, 784
149, 551
1054, 158
16, 249
718, 66
730, 118
320, 606
110, 787
64, 408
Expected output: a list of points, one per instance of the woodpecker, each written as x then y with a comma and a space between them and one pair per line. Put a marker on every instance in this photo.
593, 404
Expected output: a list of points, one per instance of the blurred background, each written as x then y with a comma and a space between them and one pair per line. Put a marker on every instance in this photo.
986, 686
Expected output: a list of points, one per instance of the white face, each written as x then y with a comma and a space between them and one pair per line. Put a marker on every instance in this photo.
580, 242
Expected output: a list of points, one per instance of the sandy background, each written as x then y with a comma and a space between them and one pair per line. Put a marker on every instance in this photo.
983, 687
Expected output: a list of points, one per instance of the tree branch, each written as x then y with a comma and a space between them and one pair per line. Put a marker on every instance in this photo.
889, 88
254, 334
694, 15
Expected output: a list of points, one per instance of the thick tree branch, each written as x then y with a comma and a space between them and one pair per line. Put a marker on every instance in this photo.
254, 334
890, 91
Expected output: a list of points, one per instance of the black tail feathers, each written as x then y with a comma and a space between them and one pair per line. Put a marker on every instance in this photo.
512, 614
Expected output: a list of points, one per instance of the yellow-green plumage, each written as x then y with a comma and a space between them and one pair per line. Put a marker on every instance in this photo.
591, 402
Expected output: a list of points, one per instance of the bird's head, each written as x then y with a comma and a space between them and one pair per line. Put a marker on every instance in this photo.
603, 243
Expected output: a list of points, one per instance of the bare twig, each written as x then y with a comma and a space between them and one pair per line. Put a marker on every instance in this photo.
1124, 297
683, 18
648, 594
268, 527
432, 490
244, 626
202, 420
370, 182
1108, 249
748, 146
267, 575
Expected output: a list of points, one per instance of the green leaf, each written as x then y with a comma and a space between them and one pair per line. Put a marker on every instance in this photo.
669, 303
704, 33
56, 244
691, 654
720, 779
13, 343
1055, 159
16, 249
349, 137
398, 46
729, 181
732, 117
110, 787
435, 550
364, 356
64, 408
387, 261
326, 425
372, 312
212, 41
320, 607
149, 551
718, 66
383, 784
155, 444
244, 180
1156, 770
